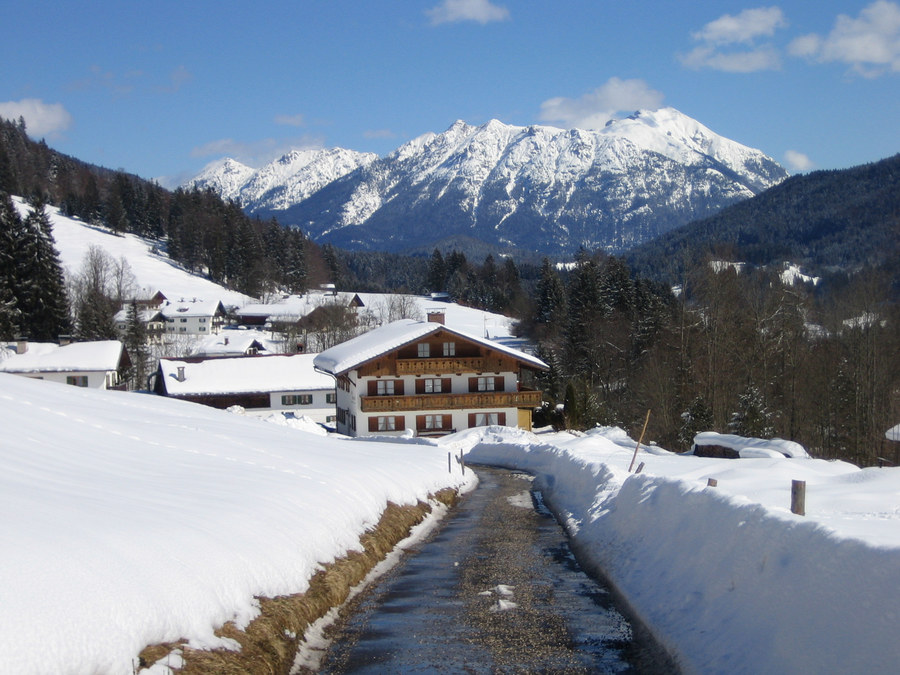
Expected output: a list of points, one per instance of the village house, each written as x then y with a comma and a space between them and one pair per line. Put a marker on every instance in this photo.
425, 377
259, 384
197, 317
96, 365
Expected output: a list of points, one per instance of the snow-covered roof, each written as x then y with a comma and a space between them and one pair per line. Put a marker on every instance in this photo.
44, 357
242, 375
893, 434
145, 315
353, 353
192, 308
235, 342
752, 447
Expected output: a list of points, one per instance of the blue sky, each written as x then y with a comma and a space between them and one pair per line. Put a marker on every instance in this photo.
161, 89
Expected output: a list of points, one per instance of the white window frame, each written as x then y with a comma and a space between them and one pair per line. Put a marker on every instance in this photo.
487, 383
385, 387
487, 419
449, 349
424, 350
433, 386
387, 423
434, 421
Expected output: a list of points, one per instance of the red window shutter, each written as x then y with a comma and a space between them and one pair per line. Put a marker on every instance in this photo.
373, 388
448, 421
473, 385
471, 420
420, 422
445, 385
501, 419
420, 386
398, 387
499, 385
373, 424
399, 422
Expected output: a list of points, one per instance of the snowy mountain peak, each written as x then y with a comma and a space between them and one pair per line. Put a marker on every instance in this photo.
536, 187
283, 182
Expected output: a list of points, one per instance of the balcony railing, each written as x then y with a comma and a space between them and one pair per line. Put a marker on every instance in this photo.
492, 399
438, 366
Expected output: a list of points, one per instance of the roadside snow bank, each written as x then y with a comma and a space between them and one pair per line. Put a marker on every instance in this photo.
727, 578
131, 519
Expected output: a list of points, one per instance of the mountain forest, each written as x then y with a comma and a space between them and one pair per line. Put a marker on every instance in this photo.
698, 327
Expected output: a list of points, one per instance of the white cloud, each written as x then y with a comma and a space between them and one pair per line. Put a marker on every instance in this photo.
743, 30
452, 11
595, 109
763, 58
290, 120
797, 161
869, 43
41, 119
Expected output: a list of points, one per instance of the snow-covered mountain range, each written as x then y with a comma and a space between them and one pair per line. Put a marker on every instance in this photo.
535, 188
287, 181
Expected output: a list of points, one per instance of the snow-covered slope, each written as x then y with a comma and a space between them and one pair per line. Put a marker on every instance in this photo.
537, 188
286, 181
153, 270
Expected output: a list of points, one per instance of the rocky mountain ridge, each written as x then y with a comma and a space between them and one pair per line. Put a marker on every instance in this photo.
536, 188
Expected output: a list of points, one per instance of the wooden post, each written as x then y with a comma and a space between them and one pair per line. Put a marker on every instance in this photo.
634, 456
798, 497
462, 462
712, 482
449, 462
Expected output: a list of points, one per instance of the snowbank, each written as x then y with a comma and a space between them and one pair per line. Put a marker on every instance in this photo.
131, 519
727, 577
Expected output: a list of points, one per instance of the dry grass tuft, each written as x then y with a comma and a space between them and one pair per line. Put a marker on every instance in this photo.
269, 643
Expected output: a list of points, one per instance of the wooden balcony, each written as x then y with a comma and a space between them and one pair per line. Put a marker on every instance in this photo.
440, 366
473, 401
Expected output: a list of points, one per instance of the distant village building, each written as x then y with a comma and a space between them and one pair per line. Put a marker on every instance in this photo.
197, 317
95, 365
428, 378
259, 384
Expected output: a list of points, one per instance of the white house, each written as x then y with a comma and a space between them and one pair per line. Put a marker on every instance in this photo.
198, 317
428, 378
260, 384
84, 364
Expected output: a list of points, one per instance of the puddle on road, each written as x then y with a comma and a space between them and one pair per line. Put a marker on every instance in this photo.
495, 589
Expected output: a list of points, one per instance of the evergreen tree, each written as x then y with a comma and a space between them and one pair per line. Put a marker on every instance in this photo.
551, 295
698, 417
135, 340
437, 272
48, 309
752, 418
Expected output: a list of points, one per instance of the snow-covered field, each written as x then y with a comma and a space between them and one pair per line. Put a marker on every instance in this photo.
131, 519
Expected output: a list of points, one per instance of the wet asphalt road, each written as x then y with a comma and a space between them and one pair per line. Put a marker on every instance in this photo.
495, 590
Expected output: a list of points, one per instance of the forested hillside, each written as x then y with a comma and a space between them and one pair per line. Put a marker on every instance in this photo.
200, 230
845, 219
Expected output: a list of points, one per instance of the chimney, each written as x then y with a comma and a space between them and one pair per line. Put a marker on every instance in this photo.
437, 317
180, 376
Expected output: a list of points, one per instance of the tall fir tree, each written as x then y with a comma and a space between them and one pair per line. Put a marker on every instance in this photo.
48, 313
